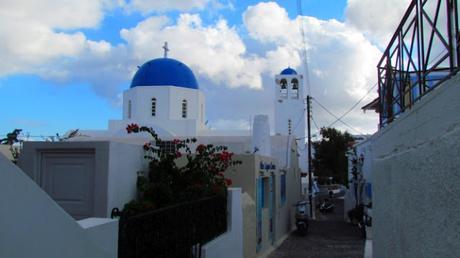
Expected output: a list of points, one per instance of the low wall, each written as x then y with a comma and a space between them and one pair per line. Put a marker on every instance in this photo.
33, 225
103, 232
229, 244
416, 179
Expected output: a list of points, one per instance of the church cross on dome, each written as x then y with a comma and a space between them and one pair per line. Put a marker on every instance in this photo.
166, 49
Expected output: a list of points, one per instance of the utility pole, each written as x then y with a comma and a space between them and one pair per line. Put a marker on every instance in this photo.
310, 182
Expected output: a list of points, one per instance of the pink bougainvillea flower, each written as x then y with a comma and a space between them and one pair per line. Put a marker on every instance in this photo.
176, 141
228, 181
178, 154
146, 146
200, 148
132, 128
225, 156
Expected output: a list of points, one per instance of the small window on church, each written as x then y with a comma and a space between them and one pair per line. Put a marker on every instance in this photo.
295, 88
184, 108
167, 146
154, 106
129, 109
283, 87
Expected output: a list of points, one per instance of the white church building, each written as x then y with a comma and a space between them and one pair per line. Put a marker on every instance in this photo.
165, 95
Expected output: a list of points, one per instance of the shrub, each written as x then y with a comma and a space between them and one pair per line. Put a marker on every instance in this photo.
167, 183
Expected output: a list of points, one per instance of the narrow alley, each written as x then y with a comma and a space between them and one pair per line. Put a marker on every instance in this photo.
329, 236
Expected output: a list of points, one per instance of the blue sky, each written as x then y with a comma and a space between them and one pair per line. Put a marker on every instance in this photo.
69, 73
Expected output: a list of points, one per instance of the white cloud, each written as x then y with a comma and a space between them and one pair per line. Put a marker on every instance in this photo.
215, 51
341, 60
65, 14
376, 18
149, 6
268, 22
34, 32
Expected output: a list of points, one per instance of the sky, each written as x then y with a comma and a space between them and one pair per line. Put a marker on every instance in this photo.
65, 64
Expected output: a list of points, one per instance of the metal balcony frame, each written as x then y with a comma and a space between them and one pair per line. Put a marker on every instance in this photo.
408, 68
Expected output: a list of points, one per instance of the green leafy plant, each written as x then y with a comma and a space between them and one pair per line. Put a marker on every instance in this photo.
11, 139
177, 174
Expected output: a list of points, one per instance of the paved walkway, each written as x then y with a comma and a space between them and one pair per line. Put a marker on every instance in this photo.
328, 237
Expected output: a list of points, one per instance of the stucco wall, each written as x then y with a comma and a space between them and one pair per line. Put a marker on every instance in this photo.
116, 165
5, 151
103, 232
33, 225
245, 176
168, 108
125, 160
416, 179
229, 244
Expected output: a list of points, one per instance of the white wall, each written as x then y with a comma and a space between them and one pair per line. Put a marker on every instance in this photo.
5, 151
365, 148
116, 166
229, 244
125, 160
290, 108
168, 108
103, 232
33, 225
261, 135
416, 179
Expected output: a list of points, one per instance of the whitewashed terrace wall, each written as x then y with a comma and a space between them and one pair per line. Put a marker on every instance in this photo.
229, 244
416, 177
33, 225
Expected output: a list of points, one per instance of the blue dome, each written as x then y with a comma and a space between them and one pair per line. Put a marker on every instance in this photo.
164, 71
288, 71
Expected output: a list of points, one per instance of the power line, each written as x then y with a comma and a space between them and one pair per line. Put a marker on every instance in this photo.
300, 119
354, 105
338, 119
316, 125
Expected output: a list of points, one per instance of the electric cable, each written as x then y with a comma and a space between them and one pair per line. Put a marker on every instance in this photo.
338, 119
354, 105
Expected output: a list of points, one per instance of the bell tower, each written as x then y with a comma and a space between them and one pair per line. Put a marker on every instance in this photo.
290, 113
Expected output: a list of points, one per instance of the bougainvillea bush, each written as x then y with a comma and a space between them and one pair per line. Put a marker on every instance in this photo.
179, 174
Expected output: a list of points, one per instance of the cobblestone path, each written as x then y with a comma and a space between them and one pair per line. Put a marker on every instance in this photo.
328, 237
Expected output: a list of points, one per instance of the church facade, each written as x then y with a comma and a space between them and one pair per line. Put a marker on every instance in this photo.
165, 95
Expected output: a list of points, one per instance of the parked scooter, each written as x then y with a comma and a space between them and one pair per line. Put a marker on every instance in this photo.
301, 217
326, 206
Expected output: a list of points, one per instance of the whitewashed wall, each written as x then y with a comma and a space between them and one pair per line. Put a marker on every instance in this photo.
116, 166
416, 177
33, 225
103, 232
168, 108
125, 160
229, 244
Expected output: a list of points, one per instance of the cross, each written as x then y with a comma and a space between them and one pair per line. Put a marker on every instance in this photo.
165, 47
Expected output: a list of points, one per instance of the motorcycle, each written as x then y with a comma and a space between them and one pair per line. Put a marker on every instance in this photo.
301, 217
326, 206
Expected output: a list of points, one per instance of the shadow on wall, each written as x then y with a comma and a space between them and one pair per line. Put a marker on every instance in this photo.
33, 225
